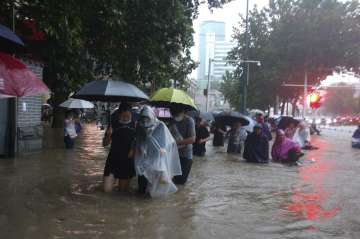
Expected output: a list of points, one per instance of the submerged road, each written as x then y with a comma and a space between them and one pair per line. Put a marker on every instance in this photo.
57, 194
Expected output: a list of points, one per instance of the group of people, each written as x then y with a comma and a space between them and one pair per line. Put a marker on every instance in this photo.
159, 155
254, 146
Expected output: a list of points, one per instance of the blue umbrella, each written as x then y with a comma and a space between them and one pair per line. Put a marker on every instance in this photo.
9, 41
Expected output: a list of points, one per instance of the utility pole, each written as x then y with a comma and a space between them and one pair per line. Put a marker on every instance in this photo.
305, 94
208, 85
246, 66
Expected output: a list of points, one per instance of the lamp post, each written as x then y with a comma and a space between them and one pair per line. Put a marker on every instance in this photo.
246, 66
245, 62
208, 85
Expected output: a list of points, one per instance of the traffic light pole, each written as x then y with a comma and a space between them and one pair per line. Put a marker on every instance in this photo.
305, 94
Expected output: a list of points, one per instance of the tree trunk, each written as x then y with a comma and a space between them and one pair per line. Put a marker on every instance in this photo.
283, 106
287, 107
59, 95
293, 103
276, 106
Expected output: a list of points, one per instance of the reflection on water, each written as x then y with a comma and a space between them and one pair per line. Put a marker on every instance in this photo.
57, 194
310, 198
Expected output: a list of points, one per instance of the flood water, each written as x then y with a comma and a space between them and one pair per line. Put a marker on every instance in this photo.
57, 194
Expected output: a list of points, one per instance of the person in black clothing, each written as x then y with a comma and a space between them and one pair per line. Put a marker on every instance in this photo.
264, 126
219, 130
119, 164
256, 146
202, 136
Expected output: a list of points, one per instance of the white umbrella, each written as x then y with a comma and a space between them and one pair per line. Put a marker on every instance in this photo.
254, 112
77, 104
251, 124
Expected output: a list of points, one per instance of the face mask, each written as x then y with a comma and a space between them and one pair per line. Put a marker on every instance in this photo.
179, 118
146, 123
124, 122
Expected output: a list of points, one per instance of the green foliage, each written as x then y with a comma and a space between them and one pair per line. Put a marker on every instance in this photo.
293, 37
230, 89
139, 41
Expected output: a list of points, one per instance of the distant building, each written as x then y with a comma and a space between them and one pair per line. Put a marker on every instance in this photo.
209, 33
212, 45
220, 66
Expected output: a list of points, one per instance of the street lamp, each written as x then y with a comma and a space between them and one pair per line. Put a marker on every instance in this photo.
247, 38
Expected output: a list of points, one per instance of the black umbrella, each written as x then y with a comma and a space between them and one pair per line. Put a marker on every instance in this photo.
216, 112
9, 41
229, 118
203, 115
110, 91
284, 121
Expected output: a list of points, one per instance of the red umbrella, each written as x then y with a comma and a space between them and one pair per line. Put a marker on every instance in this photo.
16, 80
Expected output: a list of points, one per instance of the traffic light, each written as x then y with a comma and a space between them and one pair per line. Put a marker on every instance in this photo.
315, 100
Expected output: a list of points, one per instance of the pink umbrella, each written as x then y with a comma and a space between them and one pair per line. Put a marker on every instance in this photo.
16, 80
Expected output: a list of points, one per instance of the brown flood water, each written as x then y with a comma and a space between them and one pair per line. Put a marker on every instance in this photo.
57, 194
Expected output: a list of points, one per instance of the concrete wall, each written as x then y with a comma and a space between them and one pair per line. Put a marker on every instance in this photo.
29, 128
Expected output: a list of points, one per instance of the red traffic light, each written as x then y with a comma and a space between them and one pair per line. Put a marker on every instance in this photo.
315, 100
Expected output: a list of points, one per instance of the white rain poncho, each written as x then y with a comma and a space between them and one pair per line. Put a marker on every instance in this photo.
156, 154
302, 135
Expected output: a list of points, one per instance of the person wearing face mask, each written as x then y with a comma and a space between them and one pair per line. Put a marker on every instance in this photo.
185, 126
119, 164
156, 156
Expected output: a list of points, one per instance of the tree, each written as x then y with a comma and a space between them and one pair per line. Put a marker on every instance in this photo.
136, 41
229, 88
294, 37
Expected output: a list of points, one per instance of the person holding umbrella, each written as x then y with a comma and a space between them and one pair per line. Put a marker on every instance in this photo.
219, 130
202, 136
237, 137
120, 163
182, 127
185, 128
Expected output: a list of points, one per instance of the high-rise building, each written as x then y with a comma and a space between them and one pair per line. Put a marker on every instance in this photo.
220, 65
212, 45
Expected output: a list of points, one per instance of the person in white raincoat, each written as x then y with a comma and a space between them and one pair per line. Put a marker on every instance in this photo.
302, 137
156, 156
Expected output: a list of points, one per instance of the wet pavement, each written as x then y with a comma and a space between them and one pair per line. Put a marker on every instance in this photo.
57, 194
